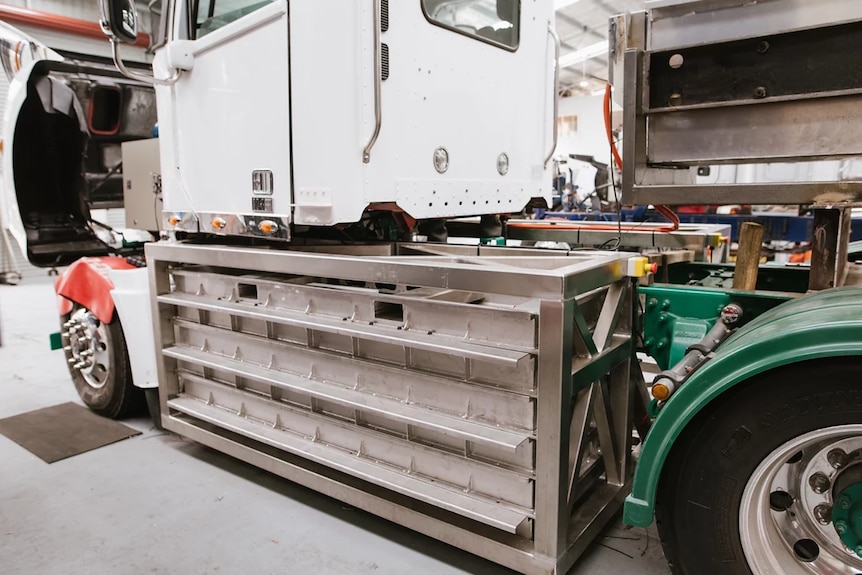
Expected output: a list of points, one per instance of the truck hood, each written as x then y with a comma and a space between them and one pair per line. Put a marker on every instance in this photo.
18, 51
64, 121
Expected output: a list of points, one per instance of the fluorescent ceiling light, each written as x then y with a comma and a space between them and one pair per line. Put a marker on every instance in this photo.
560, 4
583, 54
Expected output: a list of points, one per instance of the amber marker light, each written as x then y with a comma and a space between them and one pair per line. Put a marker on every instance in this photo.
267, 227
662, 391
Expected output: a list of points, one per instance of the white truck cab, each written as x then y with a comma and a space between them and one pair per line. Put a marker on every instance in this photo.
280, 115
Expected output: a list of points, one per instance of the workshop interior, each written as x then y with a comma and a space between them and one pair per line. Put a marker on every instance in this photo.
537, 287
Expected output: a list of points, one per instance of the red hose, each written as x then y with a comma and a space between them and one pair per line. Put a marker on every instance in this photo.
567, 225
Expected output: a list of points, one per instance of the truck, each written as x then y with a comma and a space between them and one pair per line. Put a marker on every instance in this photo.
486, 394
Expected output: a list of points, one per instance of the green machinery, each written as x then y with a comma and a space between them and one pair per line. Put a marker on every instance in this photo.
753, 463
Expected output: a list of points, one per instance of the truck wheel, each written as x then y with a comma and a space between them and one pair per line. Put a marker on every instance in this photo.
768, 479
99, 363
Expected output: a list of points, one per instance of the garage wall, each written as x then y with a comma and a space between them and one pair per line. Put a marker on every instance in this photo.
589, 138
83, 10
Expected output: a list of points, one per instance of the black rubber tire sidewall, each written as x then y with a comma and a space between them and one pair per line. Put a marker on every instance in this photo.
706, 472
118, 397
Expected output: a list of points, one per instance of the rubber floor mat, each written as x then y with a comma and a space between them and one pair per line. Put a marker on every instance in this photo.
61, 431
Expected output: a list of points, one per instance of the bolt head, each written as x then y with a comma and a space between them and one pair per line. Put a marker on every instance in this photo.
837, 458
841, 527
730, 314
823, 514
858, 550
819, 483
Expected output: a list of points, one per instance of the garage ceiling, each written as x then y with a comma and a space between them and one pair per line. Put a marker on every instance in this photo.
583, 29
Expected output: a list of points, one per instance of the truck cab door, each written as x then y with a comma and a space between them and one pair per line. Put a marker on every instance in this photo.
228, 119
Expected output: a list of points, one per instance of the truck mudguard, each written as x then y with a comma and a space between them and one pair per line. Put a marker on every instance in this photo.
87, 283
828, 324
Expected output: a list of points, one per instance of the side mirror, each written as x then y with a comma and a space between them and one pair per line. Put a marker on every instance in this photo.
119, 20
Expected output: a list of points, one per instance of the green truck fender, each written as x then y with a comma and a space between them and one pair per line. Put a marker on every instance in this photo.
826, 324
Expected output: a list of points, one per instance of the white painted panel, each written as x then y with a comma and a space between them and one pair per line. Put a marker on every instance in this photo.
444, 89
229, 116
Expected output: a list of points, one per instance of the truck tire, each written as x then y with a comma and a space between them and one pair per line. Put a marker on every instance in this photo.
99, 364
749, 486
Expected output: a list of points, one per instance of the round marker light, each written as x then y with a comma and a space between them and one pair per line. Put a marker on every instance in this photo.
503, 164
267, 227
219, 223
174, 220
662, 391
441, 160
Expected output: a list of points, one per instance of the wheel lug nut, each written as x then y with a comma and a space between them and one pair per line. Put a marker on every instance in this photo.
837, 458
819, 483
859, 550
823, 514
843, 502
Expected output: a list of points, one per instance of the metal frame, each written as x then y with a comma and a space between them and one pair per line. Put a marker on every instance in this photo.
552, 32
378, 86
662, 141
698, 238
583, 392
9, 273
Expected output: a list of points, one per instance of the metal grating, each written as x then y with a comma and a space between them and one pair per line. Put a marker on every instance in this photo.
467, 390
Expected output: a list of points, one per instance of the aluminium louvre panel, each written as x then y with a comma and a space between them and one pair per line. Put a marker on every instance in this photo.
429, 385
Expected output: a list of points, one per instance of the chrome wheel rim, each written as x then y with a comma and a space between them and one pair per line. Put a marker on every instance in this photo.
785, 523
87, 345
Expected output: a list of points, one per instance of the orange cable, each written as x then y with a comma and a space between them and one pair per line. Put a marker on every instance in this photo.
663, 210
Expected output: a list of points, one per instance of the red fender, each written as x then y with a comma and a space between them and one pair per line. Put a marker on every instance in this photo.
86, 283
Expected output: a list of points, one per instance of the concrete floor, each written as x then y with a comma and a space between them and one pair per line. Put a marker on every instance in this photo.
157, 503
